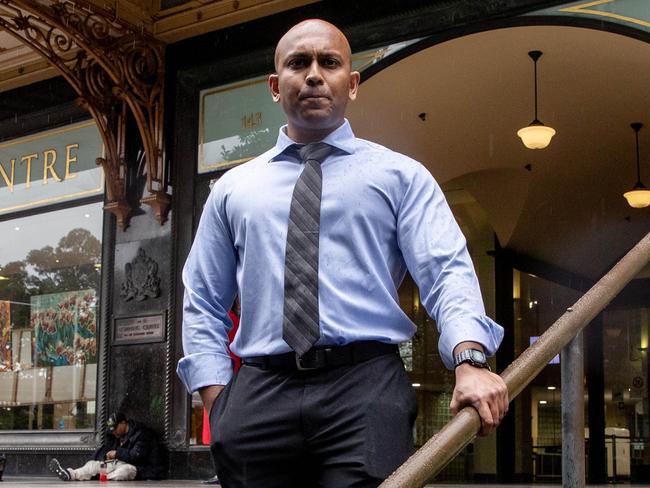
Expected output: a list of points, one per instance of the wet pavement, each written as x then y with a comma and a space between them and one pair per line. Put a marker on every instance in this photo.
12, 482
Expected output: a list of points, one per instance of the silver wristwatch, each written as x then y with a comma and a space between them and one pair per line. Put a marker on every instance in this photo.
472, 356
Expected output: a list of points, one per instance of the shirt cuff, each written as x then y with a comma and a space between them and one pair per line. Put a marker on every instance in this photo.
204, 369
474, 328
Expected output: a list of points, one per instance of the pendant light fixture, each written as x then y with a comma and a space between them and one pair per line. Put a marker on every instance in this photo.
536, 135
639, 195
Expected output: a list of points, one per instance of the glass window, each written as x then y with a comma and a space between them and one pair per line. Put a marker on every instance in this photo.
432, 381
538, 303
240, 121
626, 366
50, 269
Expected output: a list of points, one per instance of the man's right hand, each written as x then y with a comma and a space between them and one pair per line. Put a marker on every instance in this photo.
208, 395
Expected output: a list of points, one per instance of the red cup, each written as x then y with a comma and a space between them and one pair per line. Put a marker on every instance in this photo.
103, 477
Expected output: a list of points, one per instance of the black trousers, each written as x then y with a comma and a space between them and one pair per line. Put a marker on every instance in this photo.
346, 427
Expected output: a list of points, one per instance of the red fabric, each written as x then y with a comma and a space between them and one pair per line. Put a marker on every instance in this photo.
205, 433
231, 337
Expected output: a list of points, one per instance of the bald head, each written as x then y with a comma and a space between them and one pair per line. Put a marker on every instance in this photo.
314, 80
305, 30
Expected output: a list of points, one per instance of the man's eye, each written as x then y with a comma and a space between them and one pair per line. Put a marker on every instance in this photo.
331, 62
296, 63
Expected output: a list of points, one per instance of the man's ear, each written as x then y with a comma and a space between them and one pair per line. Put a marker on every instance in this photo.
275, 88
355, 78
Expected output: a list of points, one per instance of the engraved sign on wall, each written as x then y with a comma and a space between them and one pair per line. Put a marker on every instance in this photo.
137, 330
50, 167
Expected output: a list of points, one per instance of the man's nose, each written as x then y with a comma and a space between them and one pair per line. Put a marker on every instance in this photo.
314, 75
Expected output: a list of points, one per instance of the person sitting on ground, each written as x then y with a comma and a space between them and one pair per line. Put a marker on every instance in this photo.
130, 452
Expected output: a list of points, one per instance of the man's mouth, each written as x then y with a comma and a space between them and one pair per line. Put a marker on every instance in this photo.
313, 96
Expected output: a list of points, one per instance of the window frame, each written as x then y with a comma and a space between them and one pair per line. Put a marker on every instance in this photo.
78, 439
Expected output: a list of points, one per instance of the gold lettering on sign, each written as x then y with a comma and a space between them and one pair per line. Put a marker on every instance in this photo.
50, 169
28, 158
9, 181
49, 160
70, 159
251, 121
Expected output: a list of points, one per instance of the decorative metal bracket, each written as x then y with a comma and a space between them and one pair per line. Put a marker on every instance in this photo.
113, 67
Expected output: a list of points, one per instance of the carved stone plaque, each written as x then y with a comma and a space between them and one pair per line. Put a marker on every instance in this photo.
137, 330
142, 279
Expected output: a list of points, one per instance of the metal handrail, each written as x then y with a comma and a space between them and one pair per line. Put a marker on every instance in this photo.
462, 429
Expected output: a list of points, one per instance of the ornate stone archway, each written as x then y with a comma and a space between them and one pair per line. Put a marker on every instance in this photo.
115, 69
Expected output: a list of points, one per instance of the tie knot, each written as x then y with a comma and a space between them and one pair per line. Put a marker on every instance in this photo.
316, 151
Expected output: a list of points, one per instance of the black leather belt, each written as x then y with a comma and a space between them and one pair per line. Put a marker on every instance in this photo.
324, 357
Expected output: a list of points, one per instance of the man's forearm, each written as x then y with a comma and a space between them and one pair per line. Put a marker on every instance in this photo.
208, 395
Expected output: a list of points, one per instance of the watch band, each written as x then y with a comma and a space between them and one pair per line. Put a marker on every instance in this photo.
474, 357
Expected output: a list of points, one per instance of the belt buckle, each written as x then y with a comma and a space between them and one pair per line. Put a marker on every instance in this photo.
300, 366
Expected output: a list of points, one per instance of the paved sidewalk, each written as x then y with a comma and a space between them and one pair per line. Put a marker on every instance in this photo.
11, 482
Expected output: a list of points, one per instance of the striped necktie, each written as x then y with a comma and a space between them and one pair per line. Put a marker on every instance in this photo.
300, 327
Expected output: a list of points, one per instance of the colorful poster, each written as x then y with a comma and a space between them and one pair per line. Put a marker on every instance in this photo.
5, 336
65, 326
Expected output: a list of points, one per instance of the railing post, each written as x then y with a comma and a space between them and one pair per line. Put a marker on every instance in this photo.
573, 414
614, 458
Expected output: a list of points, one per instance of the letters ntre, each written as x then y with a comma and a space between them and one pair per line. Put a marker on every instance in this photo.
49, 158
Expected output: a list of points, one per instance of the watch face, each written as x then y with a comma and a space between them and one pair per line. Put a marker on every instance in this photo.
477, 356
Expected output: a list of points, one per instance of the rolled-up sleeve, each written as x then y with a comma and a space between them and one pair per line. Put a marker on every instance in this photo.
209, 277
436, 255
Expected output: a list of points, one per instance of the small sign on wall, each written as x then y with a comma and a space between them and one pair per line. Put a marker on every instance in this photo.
139, 330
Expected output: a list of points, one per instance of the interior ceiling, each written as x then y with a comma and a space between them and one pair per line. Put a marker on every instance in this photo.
477, 91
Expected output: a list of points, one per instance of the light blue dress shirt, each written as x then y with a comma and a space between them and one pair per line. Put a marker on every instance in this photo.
382, 214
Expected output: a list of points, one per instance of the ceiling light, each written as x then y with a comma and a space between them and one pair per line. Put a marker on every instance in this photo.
3, 278
542, 402
639, 195
550, 388
536, 135
416, 385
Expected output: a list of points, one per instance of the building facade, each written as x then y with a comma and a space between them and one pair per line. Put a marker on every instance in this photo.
112, 134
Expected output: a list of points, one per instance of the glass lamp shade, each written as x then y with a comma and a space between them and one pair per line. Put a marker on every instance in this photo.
638, 197
536, 136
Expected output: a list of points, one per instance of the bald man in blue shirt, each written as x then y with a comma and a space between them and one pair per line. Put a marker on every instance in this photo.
331, 407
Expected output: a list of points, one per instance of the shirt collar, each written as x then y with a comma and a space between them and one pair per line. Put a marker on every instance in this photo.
342, 138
